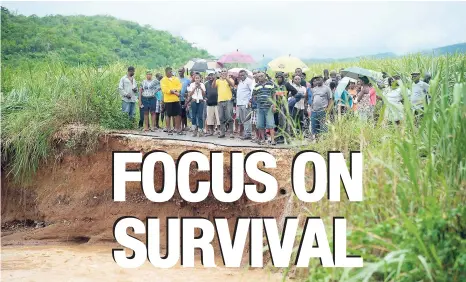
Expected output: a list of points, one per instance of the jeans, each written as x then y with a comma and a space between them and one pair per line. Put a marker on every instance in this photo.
225, 114
129, 108
244, 115
197, 114
318, 122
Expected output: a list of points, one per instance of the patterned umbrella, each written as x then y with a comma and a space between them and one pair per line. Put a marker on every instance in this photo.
236, 57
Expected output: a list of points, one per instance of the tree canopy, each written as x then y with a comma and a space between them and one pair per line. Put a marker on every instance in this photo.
92, 40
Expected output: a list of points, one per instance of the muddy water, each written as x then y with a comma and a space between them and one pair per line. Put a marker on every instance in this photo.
92, 263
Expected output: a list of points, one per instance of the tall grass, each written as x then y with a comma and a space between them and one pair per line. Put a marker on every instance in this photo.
411, 225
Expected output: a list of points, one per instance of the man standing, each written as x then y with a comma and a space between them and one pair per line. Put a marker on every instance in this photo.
243, 95
419, 94
333, 77
128, 91
184, 86
171, 87
326, 77
212, 109
283, 91
148, 101
225, 105
264, 94
322, 103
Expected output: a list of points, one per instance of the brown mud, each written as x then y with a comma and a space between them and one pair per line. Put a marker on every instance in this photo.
68, 203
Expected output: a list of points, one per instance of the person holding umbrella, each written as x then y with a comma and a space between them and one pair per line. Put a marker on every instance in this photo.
225, 104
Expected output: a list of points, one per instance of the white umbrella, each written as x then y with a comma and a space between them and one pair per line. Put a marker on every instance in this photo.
342, 86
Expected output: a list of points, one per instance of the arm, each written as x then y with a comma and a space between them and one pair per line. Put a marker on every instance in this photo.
121, 88
214, 84
291, 90
165, 88
231, 82
330, 100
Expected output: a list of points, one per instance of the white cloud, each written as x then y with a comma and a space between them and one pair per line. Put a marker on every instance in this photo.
303, 29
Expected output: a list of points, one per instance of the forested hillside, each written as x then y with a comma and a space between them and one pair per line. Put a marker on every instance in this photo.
95, 40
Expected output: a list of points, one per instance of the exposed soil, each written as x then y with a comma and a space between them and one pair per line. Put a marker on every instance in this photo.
69, 200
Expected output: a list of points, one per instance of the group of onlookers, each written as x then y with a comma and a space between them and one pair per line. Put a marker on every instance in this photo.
259, 107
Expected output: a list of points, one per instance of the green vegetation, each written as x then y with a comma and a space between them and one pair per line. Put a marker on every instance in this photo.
96, 40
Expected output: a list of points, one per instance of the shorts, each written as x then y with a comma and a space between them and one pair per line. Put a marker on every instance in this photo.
173, 109
212, 115
149, 104
265, 118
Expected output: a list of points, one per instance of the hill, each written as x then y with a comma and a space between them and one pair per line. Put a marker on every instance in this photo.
95, 40
444, 50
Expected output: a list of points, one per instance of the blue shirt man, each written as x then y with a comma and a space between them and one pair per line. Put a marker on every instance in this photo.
184, 84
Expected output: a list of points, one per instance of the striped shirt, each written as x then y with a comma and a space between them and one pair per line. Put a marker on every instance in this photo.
263, 94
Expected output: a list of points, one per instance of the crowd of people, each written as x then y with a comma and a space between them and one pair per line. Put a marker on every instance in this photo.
260, 108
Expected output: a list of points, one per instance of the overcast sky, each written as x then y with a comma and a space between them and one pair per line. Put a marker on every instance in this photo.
303, 29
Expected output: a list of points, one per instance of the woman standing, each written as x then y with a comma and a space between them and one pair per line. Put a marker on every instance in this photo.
365, 107
299, 107
147, 99
196, 92
394, 110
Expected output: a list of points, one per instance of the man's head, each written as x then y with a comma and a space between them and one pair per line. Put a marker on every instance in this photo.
333, 86
242, 75
210, 76
168, 72
319, 81
427, 77
159, 76
280, 77
352, 85
297, 79
149, 75
261, 77
181, 72
333, 74
298, 71
130, 71
326, 73
416, 76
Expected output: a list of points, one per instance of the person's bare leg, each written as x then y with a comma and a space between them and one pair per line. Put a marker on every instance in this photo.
153, 118
157, 117
272, 135
146, 120
178, 123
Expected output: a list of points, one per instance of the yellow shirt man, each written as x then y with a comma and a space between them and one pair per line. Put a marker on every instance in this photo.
224, 90
167, 84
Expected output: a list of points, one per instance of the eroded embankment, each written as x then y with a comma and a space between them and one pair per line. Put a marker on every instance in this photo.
70, 198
